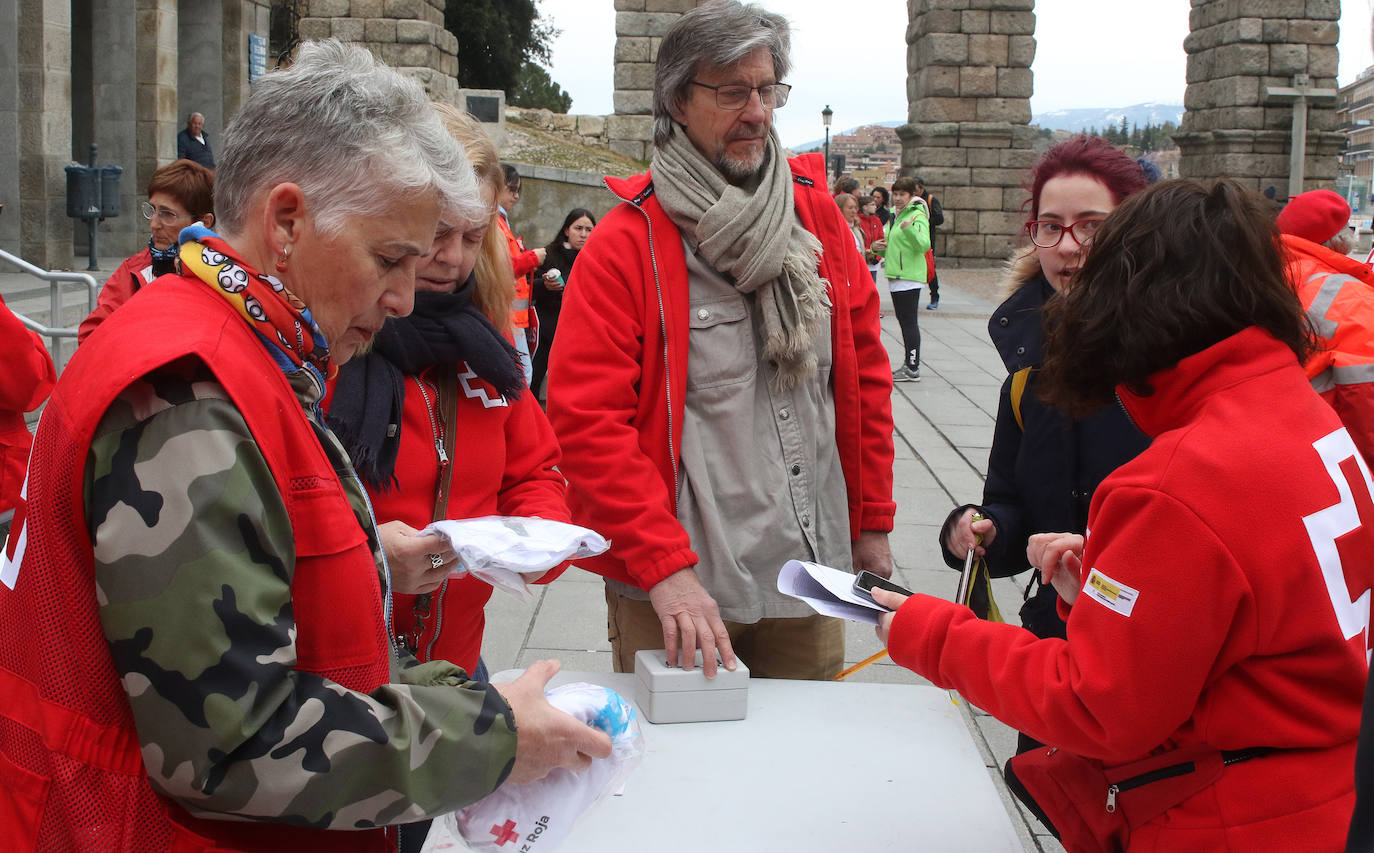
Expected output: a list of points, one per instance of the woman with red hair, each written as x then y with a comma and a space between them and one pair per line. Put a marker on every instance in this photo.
1043, 467
179, 194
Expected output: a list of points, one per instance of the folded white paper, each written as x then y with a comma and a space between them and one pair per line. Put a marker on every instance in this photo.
830, 592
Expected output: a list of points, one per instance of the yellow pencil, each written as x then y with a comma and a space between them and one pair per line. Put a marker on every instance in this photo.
861, 664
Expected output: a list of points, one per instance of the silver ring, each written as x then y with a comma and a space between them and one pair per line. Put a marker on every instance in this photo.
435, 561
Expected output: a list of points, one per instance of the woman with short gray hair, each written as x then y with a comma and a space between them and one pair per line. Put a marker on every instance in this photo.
228, 677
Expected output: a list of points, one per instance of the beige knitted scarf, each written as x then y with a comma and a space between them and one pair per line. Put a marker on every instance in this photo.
751, 234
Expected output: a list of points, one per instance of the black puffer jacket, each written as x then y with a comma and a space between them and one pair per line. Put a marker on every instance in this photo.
1040, 479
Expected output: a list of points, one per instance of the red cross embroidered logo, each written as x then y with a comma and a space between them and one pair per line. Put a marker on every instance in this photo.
505, 832
478, 389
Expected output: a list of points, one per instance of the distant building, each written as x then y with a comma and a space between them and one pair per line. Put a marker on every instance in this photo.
872, 148
1355, 118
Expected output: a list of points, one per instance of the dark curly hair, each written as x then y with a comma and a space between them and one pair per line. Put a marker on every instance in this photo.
1173, 270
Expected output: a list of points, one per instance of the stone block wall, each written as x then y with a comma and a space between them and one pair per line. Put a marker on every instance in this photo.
408, 35
45, 130
547, 194
588, 130
1236, 53
639, 29
968, 135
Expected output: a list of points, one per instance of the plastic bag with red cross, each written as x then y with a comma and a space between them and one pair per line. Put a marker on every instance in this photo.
540, 815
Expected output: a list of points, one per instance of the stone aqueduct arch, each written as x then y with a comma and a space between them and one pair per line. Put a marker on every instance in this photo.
968, 93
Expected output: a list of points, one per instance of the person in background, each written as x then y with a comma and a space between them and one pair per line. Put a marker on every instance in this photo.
722, 294
438, 423
199, 538
872, 228
848, 186
1231, 636
937, 218
849, 209
179, 194
523, 264
550, 280
193, 143
1337, 292
1044, 467
880, 198
905, 243
25, 383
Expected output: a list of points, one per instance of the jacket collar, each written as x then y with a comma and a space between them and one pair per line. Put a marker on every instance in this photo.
636, 189
1181, 391
1299, 248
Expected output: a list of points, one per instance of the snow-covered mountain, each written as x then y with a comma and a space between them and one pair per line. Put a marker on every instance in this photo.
1071, 120
1084, 119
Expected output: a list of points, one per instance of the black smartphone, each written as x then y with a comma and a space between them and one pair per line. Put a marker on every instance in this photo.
867, 580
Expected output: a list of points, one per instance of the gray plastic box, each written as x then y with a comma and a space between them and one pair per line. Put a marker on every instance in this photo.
671, 695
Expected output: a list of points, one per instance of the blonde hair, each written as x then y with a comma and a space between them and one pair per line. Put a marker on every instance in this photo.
495, 284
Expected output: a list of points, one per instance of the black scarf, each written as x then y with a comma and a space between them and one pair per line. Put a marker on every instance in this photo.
444, 329
164, 260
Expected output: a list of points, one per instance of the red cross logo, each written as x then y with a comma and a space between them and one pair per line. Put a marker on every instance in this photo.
505, 833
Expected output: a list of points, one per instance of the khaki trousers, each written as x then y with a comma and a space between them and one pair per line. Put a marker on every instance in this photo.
805, 647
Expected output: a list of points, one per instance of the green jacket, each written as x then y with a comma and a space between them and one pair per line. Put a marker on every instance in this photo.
905, 257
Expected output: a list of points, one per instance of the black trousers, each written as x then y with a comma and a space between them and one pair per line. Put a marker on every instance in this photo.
934, 286
906, 304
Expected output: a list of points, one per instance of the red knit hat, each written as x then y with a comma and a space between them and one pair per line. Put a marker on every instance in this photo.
1318, 216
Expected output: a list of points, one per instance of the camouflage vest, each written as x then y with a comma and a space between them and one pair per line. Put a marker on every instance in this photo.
69, 755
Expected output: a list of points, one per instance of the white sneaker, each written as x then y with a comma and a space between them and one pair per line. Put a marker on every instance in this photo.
906, 374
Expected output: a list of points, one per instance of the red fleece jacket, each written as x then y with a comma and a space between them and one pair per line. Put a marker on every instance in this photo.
1240, 538
618, 378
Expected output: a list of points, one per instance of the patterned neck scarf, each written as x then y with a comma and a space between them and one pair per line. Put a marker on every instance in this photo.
281, 321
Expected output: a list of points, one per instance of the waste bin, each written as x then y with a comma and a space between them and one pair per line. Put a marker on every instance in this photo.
80, 191
109, 191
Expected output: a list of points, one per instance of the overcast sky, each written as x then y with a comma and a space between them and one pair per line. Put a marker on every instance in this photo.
1088, 54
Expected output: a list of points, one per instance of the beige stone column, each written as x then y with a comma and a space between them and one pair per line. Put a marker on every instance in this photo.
45, 131
408, 35
242, 18
639, 29
968, 134
1237, 52
156, 107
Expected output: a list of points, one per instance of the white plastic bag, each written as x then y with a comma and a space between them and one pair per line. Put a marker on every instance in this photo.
540, 815
501, 550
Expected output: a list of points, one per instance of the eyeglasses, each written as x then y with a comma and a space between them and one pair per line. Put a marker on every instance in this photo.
1047, 234
735, 97
150, 213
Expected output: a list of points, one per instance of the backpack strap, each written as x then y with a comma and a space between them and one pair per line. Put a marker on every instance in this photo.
1018, 390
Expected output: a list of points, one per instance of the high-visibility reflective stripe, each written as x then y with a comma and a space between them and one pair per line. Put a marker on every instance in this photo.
520, 305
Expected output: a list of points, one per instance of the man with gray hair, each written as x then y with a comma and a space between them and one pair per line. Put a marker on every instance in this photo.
720, 391
193, 143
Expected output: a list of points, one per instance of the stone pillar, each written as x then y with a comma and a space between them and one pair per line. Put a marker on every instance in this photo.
112, 122
968, 136
408, 35
45, 131
200, 67
639, 29
158, 121
1236, 53
9, 127
242, 18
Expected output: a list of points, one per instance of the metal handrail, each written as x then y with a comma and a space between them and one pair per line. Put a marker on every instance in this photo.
55, 278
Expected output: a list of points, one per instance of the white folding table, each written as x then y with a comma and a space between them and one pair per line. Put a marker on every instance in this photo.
816, 766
